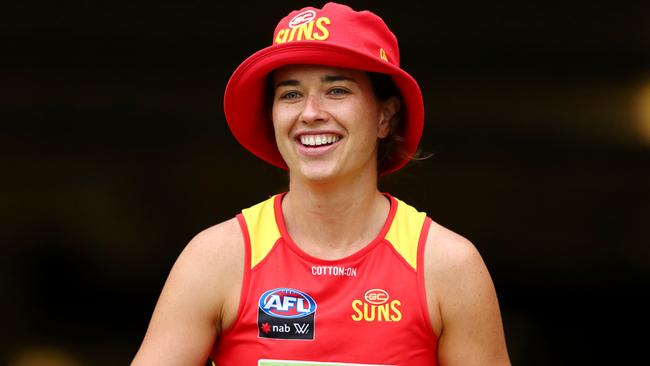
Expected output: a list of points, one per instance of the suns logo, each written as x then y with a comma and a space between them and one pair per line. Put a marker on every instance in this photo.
376, 296
376, 307
304, 17
304, 26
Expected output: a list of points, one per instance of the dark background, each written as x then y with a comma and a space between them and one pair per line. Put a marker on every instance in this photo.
115, 152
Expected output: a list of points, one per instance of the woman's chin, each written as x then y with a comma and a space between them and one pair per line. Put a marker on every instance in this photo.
317, 173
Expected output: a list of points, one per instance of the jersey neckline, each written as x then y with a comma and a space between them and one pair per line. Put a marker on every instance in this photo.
279, 220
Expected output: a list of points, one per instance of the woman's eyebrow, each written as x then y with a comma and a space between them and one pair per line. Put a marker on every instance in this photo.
335, 78
288, 82
324, 79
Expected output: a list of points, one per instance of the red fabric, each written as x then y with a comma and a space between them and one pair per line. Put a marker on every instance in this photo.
341, 333
337, 36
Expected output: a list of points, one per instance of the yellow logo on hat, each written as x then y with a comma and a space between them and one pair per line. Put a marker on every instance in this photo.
304, 31
382, 55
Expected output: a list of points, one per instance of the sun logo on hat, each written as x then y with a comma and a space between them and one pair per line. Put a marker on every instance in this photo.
304, 17
382, 55
304, 26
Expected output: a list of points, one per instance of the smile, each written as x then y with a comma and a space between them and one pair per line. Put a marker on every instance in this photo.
319, 140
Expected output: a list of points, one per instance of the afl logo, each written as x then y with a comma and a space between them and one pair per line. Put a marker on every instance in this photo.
287, 303
376, 296
301, 18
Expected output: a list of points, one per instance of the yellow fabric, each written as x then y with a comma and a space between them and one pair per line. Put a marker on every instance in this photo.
404, 233
262, 229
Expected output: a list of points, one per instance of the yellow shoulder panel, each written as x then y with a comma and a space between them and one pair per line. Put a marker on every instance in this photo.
404, 233
262, 229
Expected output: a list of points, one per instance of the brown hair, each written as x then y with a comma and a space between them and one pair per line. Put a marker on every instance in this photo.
390, 148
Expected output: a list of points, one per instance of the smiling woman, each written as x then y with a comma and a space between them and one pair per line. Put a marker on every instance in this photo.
391, 148
332, 272
327, 122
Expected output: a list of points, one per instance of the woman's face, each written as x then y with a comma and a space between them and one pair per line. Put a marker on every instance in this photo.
327, 121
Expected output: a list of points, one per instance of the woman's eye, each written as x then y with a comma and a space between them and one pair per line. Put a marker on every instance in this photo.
290, 95
338, 91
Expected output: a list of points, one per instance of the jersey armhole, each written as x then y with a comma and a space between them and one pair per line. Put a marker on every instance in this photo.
245, 285
422, 289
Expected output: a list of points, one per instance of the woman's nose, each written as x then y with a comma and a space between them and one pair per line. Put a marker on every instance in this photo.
313, 110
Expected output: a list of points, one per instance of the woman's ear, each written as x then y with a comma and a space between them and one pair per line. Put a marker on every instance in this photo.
389, 108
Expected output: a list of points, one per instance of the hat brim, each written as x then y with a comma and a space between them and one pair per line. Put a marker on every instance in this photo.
248, 117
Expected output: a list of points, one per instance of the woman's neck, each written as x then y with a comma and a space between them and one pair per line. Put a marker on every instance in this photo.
334, 220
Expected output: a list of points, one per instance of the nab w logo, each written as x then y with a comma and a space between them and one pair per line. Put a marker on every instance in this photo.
301, 328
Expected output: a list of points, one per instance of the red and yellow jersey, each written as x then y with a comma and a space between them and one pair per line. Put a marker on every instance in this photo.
365, 309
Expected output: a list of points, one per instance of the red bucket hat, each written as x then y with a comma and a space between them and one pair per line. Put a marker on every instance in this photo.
335, 35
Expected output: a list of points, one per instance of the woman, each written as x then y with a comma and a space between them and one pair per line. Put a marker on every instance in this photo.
333, 271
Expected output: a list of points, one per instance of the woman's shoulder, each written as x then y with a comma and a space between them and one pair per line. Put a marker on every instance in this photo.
221, 243
214, 254
210, 269
448, 247
452, 260
462, 300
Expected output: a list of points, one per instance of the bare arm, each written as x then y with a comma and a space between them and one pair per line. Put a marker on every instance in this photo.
198, 298
463, 302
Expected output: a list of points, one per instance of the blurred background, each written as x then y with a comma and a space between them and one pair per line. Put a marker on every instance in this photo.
115, 153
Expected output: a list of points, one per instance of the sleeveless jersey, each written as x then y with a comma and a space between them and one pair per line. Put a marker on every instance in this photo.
365, 309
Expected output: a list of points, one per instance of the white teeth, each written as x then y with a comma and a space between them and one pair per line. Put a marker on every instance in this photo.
318, 140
